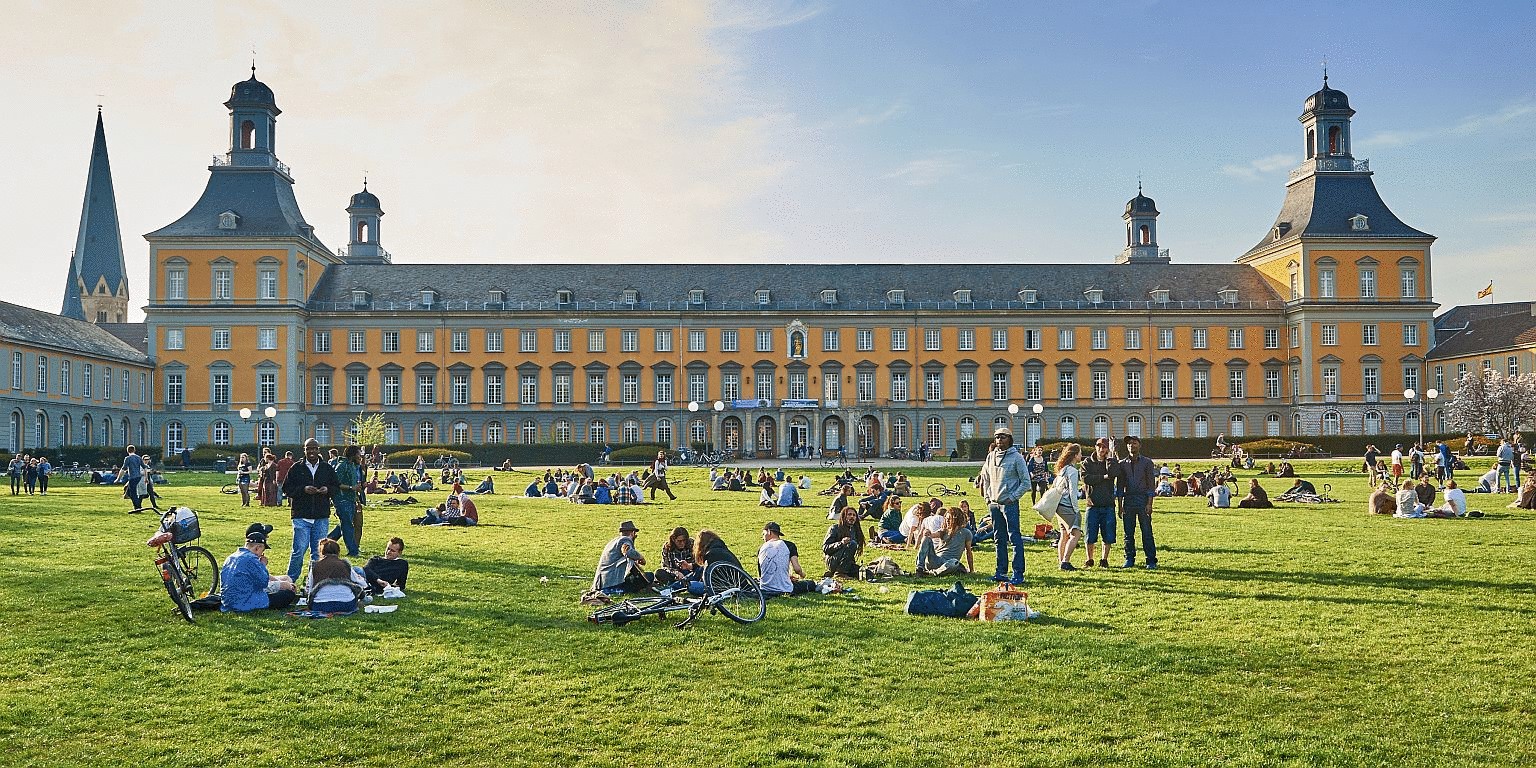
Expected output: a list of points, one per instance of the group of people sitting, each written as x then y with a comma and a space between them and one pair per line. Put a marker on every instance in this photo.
332, 586
729, 479
1409, 498
1171, 482
580, 487
684, 560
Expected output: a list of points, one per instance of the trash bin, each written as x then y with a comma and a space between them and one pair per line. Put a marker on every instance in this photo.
222, 465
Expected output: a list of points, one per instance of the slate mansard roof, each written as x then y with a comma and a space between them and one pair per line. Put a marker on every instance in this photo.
1323, 204
261, 198
1481, 328
26, 325
790, 286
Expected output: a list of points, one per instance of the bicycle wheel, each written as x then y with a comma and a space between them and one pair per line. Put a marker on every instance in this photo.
230, 488
625, 611
734, 592
176, 587
938, 489
200, 570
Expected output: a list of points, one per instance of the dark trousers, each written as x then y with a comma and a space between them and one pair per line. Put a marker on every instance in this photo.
42, 484
1133, 515
660, 483
15, 485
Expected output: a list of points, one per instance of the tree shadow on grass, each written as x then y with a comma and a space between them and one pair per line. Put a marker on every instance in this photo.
1371, 581
1215, 550
1280, 583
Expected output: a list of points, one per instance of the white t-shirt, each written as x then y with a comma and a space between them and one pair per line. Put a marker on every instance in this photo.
1221, 496
908, 521
1456, 500
773, 567
933, 523
1397, 458
1490, 480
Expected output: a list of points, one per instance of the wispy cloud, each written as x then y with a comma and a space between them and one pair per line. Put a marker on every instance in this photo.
1263, 166
1030, 109
934, 168
1466, 126
1479, 123
762, 16
896, 109
1521, 215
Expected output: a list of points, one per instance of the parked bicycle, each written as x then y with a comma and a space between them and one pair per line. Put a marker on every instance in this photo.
834, 458
727, 589
940, 490
699, 458
900, 453
189, 572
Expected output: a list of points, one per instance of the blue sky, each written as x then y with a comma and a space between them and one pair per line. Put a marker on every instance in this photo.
782, 132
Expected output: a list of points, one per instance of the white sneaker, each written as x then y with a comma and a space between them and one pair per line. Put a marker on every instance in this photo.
301, 602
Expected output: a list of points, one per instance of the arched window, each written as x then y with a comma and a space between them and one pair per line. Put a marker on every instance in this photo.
1439, 422
562, 431
1001, 422
1373, 422
1331, 423
664, 431
495, 432
143, 431
40, 431
901, 433
1311, 143
629, 431
221, 432
1167, 426
1100, 426
1034, 429
1237, 426
362, 231
247, 135
698, 434
730, 433
1202, 425
127, 429
1333, 140
323, 433
1133, 425
597, 431
1411, 423
85, 429
460, 432
106, 431
1145, 233
65, 430
967, 427
426, 433
392, 432
1068, 428
266, 433
175, 437
1295, 423
767, 436
933, 433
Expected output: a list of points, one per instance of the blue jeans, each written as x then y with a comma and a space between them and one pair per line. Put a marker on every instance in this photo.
1134, 511
1505, 474
1005, 522
307, 534
345, 508
1101, 524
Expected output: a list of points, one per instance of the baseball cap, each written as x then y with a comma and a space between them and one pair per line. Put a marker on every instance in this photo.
1002, 431
774, 527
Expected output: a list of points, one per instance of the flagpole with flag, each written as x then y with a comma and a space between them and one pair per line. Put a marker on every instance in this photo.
1487, 293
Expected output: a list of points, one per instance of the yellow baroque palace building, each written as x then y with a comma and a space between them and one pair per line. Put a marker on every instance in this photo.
1316, 329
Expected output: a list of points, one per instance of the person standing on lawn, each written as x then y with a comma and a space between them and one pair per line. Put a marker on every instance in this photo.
1099, 472
310, 486
349, 480
1004, 477
1137, 481
1397, 464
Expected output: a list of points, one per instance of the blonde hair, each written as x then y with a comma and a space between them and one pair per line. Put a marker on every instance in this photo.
1069, 455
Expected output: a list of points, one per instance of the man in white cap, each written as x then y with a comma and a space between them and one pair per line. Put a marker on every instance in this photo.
1004, 478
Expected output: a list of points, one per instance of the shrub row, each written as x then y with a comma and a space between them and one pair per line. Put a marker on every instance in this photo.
92, 455
549, 454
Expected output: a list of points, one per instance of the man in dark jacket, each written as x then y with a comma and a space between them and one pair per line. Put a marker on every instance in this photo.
1099, 472
310, 486
1137, 481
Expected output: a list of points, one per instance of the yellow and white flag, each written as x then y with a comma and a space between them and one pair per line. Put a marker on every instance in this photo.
1486, 292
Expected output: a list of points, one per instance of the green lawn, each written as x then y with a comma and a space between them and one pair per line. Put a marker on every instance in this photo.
1293, 636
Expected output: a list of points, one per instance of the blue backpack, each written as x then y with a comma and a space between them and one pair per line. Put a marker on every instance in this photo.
954, 602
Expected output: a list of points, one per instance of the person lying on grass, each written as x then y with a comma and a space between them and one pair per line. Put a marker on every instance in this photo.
388, 570
777, 562
454, 511
247, 584
334, 586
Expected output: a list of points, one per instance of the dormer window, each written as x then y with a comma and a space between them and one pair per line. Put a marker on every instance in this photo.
1094, 295
228, 220
1280, 230
359, 299
629, 296
896, 296
1227, 295
764, 296
1028, 295
696, 296
428, 297
829, 296
1160, 295
963, 296
563, 296
498, 297
1359, 223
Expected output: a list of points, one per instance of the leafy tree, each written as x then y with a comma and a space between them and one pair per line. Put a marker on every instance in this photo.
367, 429
1487, 401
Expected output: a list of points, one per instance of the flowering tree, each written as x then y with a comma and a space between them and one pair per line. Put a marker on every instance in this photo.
1488, 401
367, 429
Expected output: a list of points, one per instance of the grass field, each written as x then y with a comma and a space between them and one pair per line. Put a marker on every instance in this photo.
1311, 636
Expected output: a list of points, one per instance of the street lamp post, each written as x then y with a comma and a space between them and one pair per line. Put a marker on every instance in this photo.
1013, 412
1420, 397
719, 439
693, 407
1037, 409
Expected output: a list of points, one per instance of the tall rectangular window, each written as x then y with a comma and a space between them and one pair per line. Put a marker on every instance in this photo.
87, 379
176, 284
1031, 338
390, 341
391, 389
864, 383
663, 339
797, 386
496, 390
864, 339
1133, 385
458, 388
1295, 336
932, 340
831, 340
730, 385
899, 391
1237, 384
1098, 338
493, 340
458, 341
357, 389
42, 374
1032, 385
1165, 338
898, 339
106, 383
267, 283
967, 339
1368, 335
1133, 338
831, 389
1272, 383
1235, 338
698, 387
220, 338
64, 377
1367, 283
426, 389
1410, 284
1197, 338
562, 389
322, 394
1325, 285
762, 387
1410, 334
357, 342
266, 338
730, 341
764, 340
175, 389
1066, 385
664, 388
1200, 385
597, 388
597, 340
1440, 377
1166, 389
1271, 338
527, 341
629, 340
1329, 334
933, 386
1410, 377
562, 340
176, 338
696, 341
1100, 385
322, 341
1370, 380
967, 382
1000, 388
266, 388
223, 284
999, 339
1512, 366
629, 388
1330, 381
426, 341
219, 385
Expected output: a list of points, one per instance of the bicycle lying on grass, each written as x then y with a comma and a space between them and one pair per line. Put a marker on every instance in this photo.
940, 490
727, 589
189, 572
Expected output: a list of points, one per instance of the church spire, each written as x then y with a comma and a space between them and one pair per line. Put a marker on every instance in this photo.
97, 287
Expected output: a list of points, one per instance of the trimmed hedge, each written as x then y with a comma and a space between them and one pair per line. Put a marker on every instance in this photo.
408, 456
550, 454
642, 453
93, 455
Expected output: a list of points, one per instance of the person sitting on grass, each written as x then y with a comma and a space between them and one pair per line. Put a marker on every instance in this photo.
1426, 491
334, 586
551, 488
1408, 501
247, 585
777, 562
1384, 498
1286, 470
602, 494
939, 553
769, 496
1527, 497
1220, 497
454, 511
1257, 497
677, 558
889, 530
388, 570
789, 494
1180, 486
533, 491
1164, 486
621, 567
1455, 500
1300, 488
841, 548
487, 485
805, 483
707, 550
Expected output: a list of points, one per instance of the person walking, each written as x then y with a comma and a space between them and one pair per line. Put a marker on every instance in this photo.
16, 467
658, 478
132, 473
1003, 479
310, 487
1067, 517
44, 469
1137, 481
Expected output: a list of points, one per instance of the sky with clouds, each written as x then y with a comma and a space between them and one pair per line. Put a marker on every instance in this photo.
777, 131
